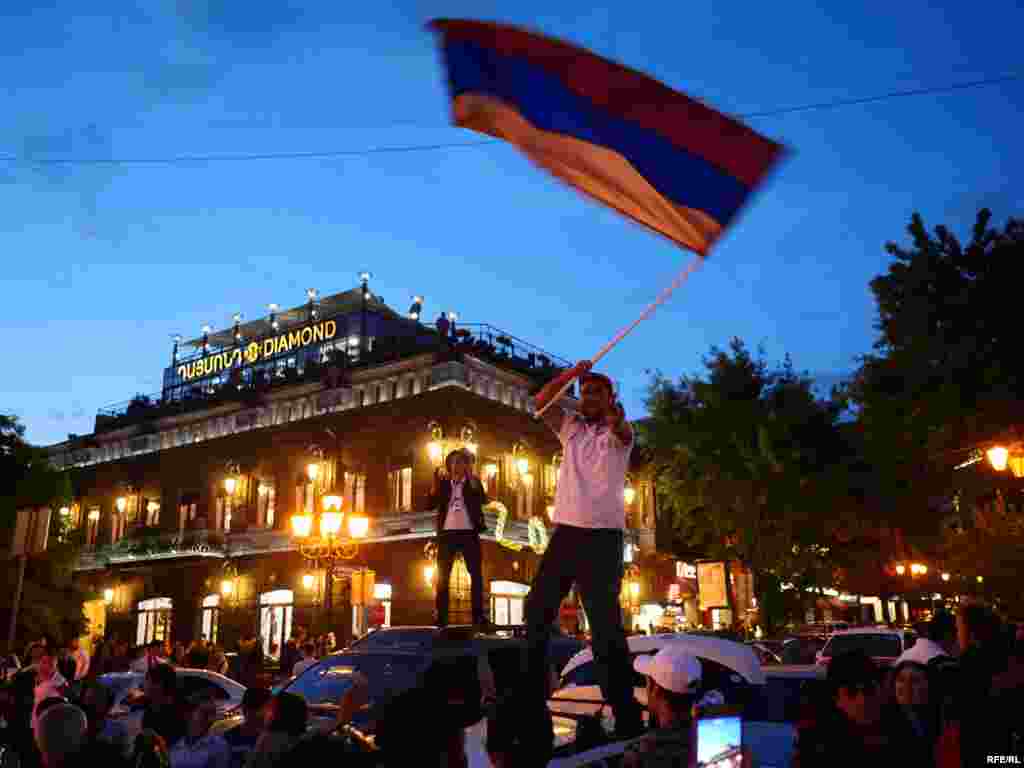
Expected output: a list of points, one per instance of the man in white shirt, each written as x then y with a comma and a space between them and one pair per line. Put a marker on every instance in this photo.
50, 684
586, 547
459, 498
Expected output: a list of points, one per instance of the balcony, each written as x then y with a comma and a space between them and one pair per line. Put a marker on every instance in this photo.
142, 548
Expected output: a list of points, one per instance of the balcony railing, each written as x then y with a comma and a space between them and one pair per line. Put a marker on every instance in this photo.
478, 339
256, 541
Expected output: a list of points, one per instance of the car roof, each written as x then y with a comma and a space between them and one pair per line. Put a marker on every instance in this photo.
736, 656
870, 631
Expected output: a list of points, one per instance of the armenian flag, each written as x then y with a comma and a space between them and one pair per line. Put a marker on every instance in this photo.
655, 155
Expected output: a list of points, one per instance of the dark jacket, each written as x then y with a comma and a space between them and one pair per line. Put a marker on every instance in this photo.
473, 495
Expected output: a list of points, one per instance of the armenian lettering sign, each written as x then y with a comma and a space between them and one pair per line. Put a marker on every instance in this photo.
258, 350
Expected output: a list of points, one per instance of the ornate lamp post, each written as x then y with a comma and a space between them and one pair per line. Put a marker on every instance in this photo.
326, 539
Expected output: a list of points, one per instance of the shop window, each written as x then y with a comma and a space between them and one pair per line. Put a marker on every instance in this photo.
382, 594
223, 511
211, 617
188, 510
266, 503
400, 485
117, 524
154, 620
355, 492
508, 599
275, 621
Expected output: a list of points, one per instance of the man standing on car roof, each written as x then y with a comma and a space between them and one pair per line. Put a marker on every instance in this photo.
586, 548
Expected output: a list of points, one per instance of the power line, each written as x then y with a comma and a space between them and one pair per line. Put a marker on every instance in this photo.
408, 148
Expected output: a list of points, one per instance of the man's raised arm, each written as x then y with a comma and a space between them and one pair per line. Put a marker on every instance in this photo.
553, 416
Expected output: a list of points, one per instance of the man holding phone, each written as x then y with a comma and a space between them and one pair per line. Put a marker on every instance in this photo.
459, 498
673, 681
586, 547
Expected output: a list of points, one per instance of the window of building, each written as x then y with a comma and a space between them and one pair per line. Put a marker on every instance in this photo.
550, 478
154, 620
382, 593
355, 491
211, 617
117, 524
400, 485
266, 503
75, 518
92, 526
152, 512
507, 601
224, 510
275, 620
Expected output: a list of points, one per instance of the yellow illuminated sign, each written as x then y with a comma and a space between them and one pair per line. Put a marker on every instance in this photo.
258, 350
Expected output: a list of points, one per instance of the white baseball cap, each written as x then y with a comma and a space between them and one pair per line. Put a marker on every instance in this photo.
672, 669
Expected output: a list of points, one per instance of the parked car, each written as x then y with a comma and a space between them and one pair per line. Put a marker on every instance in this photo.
881, 644
768, 652
128, 697
561, 648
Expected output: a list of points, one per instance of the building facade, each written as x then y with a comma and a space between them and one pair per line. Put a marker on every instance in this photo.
184, 500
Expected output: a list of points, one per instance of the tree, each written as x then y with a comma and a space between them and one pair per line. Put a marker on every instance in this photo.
946, 379
751, 465
51, 603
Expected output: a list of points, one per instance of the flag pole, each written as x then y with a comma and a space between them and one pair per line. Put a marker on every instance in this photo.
662, 298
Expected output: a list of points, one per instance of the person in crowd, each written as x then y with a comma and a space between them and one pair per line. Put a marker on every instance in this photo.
286, 717
850, 732
98, 660
911, 718
81, 659
242, 738
586, 548
308, 659
61, 736
218, 661
198, 748
459, 498
162, 712
66, 663
198, 655
178, 656
96, 701
250, 660
292, 651
49, 683
673, 682
450, 690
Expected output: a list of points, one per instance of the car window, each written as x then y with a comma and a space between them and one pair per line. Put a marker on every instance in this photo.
397, 639
194, 686
326, 682
909, 638
872, 645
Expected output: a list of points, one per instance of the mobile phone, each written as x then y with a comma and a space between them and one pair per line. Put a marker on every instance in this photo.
720, 742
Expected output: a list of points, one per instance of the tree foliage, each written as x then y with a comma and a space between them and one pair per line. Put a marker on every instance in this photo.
751, 465
51, 603
946, 380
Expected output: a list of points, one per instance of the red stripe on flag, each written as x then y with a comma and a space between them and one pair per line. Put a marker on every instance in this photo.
722, 141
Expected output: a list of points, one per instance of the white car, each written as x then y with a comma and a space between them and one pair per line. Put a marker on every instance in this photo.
127, 687
881, 644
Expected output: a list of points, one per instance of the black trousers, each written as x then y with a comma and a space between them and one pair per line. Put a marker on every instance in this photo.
592, 558
449, 544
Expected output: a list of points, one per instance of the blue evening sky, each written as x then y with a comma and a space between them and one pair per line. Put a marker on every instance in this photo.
102, 263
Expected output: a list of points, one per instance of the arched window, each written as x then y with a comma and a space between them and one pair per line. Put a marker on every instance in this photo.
211, 617
154, 620
275, 620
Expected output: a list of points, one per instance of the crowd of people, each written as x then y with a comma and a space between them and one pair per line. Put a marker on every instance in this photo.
954, 698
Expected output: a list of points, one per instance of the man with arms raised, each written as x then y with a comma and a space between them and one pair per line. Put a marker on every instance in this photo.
586, 547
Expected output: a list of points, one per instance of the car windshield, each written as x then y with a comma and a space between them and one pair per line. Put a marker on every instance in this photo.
872, 645
325, 683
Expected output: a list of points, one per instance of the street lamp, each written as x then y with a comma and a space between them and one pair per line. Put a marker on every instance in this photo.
901, 569
945, 577
308, 581
998, 456
121, 503
108, 595
629, 494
